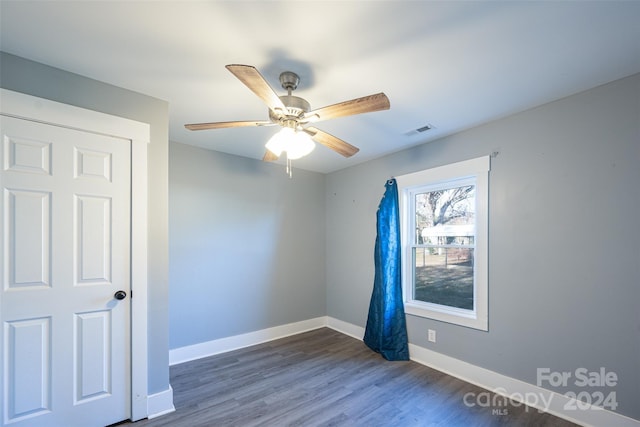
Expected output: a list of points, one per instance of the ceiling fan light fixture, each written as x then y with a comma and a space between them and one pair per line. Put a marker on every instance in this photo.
296, 144
294, 114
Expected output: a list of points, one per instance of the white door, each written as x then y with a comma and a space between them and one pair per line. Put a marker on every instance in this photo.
65, 252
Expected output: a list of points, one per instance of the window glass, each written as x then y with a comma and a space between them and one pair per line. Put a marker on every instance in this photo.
443, 251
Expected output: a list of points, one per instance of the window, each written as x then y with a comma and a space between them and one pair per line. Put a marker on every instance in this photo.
444, 235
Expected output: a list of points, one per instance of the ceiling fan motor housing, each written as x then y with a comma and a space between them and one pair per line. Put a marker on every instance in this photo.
295, 108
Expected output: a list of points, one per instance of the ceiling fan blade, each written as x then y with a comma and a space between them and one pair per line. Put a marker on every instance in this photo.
252, 79
366, 104
328, 140
269, 156
221, 125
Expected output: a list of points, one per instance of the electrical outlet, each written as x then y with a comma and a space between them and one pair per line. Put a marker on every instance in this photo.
431, 335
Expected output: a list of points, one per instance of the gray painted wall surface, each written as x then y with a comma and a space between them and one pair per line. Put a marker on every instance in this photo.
564, 240
39, 80
246, 245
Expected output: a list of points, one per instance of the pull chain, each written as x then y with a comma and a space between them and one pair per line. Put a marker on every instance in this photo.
289, 168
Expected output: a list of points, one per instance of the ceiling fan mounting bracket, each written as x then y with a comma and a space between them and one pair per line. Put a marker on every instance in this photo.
289, 80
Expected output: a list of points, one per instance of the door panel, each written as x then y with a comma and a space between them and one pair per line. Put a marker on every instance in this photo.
24, 155
92, 370
93, 243
27, 219
28, 367
65, 251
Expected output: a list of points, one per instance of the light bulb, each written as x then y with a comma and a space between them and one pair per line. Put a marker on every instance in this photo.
296, 144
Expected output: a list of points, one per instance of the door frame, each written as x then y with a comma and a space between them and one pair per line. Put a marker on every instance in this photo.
27, 107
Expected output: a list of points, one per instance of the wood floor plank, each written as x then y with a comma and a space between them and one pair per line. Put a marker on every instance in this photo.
325, 378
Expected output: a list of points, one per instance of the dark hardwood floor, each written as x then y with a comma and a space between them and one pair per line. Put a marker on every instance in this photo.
325, 378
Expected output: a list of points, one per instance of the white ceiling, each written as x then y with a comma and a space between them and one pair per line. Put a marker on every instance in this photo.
450, 64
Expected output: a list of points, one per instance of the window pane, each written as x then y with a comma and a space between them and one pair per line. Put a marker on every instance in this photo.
444, 276
445, 217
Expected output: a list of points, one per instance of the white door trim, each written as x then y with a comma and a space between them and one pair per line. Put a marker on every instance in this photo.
15, 104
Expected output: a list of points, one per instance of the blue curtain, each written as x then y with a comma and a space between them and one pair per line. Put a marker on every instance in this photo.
386, 331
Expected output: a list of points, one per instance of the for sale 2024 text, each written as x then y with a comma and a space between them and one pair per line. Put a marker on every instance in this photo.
583, 378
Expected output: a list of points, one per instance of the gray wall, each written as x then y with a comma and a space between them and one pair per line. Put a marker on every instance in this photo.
246, 245
564, 239
39, 80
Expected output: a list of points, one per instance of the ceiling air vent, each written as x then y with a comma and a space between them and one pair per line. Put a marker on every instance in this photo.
419, 130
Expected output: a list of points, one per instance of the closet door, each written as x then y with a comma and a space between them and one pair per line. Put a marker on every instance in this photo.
65, 295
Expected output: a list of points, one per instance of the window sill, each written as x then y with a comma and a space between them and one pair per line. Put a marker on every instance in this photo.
455, 316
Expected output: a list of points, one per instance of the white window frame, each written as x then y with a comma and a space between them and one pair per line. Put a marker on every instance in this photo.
475, 171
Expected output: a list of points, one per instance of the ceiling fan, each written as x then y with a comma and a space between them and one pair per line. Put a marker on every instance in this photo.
295, 115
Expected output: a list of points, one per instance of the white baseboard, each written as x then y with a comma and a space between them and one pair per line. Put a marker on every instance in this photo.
223, 345
345, 328
520, 391
510, 388
160, 403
